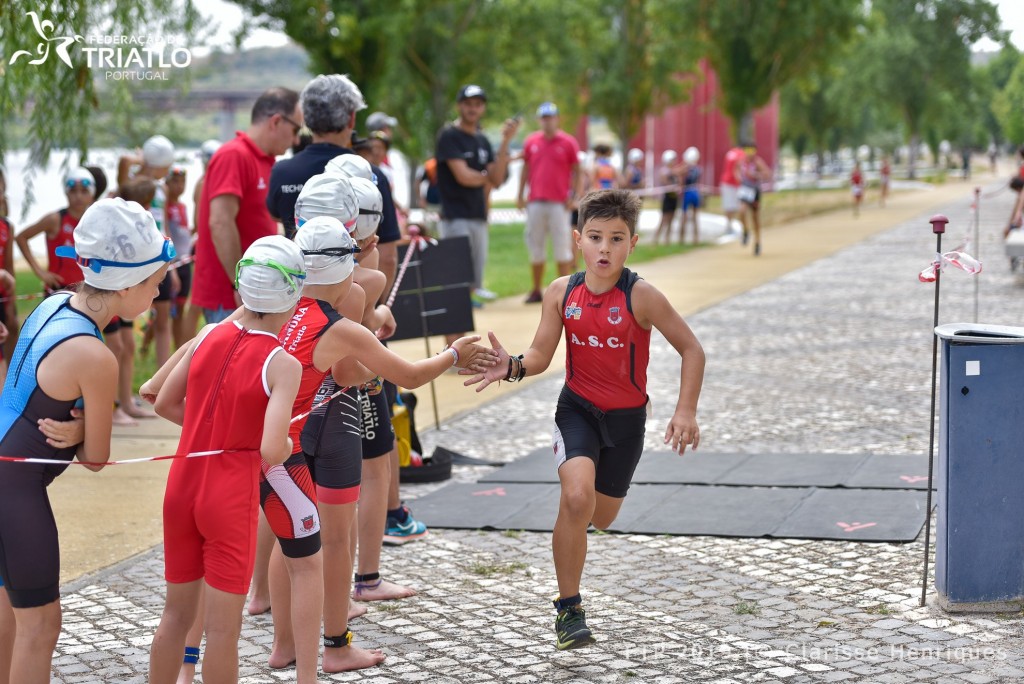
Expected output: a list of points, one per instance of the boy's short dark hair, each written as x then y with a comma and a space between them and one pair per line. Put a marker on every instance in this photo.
141, 189
602, 149
611, 204
1017, 183
274, 101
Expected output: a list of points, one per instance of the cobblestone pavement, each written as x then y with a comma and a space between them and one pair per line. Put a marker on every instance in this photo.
834, 357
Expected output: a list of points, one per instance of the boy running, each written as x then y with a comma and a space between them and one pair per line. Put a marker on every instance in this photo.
607, 313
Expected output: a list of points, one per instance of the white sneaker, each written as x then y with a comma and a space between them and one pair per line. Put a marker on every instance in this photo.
485, 294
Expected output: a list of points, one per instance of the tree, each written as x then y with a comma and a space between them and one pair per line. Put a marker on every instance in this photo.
46, 78
638, 61
757, 47
1009, 105
919, 57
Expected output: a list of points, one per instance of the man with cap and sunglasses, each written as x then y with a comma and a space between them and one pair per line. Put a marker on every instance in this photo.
551, 168
61, 362
467, 167
229, 374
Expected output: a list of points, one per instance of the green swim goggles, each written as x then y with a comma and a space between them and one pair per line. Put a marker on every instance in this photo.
291, 276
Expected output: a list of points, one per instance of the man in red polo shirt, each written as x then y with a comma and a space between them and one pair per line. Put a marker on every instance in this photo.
551, 167
232, 211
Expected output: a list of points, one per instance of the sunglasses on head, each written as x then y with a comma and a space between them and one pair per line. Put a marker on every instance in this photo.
95, 264
290, 274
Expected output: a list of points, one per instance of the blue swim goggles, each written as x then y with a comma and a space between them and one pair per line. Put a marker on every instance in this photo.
96, 264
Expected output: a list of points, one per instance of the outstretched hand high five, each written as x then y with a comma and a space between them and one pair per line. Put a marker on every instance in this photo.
496, 372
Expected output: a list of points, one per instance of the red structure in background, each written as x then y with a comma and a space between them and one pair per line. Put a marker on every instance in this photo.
699, 123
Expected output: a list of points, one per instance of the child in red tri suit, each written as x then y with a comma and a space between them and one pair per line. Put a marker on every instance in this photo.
240, 386
607, 313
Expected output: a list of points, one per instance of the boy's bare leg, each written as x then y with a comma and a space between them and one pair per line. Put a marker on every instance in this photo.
373, 502
180, 610
355, 608
336, 529
194, 639
223, 619
259, 587
575, 511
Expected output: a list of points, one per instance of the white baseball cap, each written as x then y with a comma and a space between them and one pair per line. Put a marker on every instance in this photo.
691, 155
635, 155
668, 156
117, 245
270, 274
327, 250
207, 149
327, 194
158, 151
348, 165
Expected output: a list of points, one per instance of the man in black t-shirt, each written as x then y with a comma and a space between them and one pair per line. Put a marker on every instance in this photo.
466, 168
331, 103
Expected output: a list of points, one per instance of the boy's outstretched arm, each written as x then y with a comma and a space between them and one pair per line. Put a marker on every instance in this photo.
537, 357
652, 308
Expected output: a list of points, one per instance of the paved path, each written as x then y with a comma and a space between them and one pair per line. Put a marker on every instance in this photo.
833, 356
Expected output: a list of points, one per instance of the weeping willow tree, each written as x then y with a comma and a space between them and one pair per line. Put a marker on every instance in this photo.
51, 81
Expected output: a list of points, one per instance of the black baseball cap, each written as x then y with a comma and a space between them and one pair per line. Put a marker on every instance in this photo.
468, 91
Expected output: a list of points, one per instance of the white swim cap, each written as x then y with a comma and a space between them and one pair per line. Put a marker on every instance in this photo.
158, 151
581, 156
635, 155
117, 245
327, 194
207, 149
351, 165
668, 156
691, 155
80, 175
327, 250
371, 207
270, 274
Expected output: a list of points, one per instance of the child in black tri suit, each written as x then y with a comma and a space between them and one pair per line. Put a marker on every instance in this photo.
607, 313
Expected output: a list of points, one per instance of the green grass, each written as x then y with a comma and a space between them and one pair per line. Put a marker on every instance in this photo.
508, 263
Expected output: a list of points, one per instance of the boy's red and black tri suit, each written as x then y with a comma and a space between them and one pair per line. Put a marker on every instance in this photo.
602, 410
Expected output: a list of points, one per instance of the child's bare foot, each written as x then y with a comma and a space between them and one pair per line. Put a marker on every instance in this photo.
135, 411
258, 605
356, 610
350, 658
379, 590
281, 657
122, 418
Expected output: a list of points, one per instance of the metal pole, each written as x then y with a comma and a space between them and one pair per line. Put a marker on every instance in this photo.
977, 245
938, 227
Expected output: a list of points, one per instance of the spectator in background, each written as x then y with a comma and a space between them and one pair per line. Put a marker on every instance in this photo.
754, 172
233, 205
885, 174
192, 312
857, 188
729, 186
466, 166
329, 105
603, 174
551, 168
379, 121
668, 176
691, 193
8, 308
181, 236
633, 177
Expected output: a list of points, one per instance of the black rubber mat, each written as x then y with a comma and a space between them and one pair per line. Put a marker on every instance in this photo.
857, 471
735, 511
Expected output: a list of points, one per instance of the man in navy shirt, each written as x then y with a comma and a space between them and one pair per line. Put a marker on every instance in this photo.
466, 168
331, 103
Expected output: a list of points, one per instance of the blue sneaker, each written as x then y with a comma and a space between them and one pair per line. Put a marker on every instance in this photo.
398, 533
